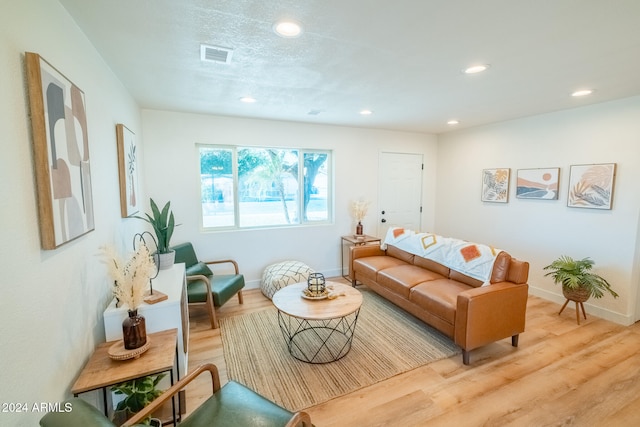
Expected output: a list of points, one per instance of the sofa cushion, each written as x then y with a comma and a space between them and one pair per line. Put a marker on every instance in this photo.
467, 280
431, 265
199, 268
400, 279
368, 267
438, 297
400, 254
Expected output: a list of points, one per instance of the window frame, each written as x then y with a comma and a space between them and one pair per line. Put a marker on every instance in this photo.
301, 152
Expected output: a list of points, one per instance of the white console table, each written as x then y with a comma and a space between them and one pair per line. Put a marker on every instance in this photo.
168, 314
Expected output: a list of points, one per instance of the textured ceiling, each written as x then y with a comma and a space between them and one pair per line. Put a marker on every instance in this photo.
401, 59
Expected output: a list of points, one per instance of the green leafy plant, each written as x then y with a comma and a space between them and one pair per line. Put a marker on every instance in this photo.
575, 274
163, 225
139, 393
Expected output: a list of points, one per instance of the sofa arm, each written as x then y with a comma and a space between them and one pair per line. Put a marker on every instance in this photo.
362, 251
490, 313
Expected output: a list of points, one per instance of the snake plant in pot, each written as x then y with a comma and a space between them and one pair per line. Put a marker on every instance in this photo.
577, 280
163, 224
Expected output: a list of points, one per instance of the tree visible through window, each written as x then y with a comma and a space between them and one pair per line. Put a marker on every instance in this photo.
262, 187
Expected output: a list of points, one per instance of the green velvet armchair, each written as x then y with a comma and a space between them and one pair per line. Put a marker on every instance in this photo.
233, 405
205, 287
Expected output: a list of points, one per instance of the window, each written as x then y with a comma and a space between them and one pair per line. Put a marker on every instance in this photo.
244, 187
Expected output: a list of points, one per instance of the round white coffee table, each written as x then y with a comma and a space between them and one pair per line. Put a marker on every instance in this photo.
318, 331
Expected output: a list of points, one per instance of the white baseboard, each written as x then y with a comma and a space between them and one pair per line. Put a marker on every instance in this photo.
590, 309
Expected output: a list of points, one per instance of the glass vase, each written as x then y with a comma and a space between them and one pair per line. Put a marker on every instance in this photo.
359, 229
134, 331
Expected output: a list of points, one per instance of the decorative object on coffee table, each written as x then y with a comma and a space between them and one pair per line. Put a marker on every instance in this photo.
578, 282
316, 284
130, 284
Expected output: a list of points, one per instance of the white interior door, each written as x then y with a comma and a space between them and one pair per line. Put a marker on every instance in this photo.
399, 191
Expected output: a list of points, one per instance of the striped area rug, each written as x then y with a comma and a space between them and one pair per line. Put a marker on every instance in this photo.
388, 341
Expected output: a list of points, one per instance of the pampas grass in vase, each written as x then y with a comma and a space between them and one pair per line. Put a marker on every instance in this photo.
131, 279
359, 209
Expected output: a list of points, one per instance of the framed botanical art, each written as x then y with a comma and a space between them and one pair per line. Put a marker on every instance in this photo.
61, 154
591, 186
495, 185
541, 183
128, 171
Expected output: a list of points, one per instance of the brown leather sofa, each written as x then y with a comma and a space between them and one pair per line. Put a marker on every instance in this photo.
457, 305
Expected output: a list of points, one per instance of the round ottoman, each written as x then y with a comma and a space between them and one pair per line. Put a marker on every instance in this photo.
281, 274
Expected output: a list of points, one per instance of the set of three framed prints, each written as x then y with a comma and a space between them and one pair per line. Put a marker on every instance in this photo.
590, 186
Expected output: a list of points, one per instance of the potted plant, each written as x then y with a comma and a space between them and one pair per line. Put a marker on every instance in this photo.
138, 394
163, 225
577, 280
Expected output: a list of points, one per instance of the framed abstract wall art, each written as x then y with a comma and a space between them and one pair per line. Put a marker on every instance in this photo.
61, 154
591, 186
495, 185
128, 171
541, 183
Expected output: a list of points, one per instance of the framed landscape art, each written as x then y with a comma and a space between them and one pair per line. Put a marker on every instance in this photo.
541, 183
591, 186
127, 171
495, 185
61, 154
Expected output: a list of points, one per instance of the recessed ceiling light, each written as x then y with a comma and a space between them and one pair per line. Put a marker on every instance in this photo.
248, 99
453, 122
287, 29
366, 112
474, 69
582, 92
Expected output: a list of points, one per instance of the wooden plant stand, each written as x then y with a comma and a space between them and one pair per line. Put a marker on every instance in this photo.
579, 305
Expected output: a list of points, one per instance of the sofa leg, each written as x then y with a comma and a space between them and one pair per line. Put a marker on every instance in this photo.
514, 340
465, 356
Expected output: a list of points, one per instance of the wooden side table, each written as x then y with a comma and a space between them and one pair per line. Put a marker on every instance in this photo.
101, 371
353, 240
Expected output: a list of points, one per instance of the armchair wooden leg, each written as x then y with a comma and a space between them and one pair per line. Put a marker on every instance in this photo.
240, 299
212, 313
465, 356
514, 340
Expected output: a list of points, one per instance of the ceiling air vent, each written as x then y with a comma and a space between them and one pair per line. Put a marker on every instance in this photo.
220, 55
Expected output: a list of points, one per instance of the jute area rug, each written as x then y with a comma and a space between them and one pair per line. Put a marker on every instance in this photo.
387, 342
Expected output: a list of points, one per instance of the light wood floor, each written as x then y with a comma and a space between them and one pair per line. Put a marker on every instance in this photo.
561, 374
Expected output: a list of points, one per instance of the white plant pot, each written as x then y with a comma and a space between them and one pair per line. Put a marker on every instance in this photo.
165, 261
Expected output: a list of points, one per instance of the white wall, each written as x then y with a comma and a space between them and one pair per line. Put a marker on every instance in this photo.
536, 230
172, 173
51, 302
